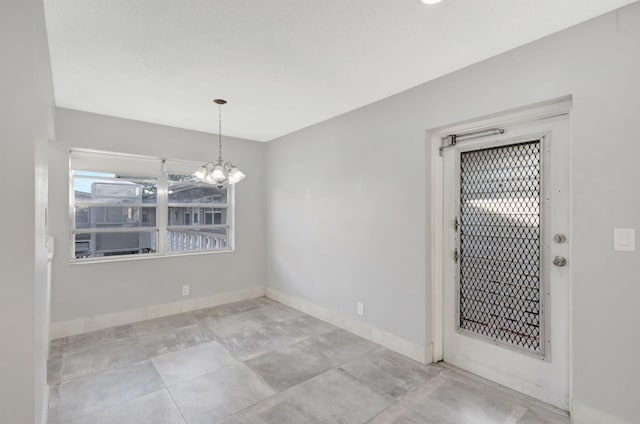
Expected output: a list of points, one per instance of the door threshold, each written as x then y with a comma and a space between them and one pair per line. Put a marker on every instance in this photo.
504, 389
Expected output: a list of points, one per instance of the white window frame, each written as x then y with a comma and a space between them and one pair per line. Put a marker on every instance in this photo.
162, 206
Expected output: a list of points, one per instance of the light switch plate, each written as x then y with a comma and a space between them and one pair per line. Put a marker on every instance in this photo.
624, 239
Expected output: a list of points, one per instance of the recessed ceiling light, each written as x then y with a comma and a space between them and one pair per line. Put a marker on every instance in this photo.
431, 1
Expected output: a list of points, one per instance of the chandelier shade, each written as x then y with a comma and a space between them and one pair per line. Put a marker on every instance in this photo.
236, 175
201, 173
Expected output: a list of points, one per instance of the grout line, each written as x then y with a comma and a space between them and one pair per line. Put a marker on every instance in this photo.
394, 402
273, 395
243, 410
118, 404
201, 375
400, 404
515, 416
176, 404
275, 391
377, 391
388, 410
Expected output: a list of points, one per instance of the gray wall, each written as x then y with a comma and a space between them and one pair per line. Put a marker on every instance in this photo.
26, 123
347, 204
85, 290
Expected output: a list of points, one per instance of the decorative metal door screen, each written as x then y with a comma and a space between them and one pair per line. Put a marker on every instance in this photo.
499, 275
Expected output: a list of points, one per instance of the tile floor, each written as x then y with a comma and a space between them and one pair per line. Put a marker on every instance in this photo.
258, 361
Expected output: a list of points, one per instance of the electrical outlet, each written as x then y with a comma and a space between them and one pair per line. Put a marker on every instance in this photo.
624, 239
360, 308
185, 290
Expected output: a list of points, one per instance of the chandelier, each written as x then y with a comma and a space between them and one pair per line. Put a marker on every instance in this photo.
219, 172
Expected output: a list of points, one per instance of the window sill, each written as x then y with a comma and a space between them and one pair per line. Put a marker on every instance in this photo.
145, 257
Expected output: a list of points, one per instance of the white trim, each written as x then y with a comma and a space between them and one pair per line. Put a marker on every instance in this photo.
44, 418
162, 212
141, 257
82, 150
415, 351
537, 111
570, 258
99, 322
583, 414
437, 241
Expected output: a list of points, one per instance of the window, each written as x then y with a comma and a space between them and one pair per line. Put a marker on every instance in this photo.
130, 206
187, 202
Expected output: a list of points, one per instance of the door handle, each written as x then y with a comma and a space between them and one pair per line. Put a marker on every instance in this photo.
559, 261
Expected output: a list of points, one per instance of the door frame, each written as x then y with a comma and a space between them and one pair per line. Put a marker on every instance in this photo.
548, 109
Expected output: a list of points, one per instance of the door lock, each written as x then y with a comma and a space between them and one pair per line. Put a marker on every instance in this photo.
559, 238
559, 261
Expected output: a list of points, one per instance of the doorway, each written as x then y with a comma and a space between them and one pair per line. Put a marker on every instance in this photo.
503, 298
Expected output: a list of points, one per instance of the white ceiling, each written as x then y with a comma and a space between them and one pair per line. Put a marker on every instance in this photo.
282, 64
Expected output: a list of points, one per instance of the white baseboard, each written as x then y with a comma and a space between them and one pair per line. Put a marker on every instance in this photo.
98, 322
420, 353
415, 351
45, 407
583, 414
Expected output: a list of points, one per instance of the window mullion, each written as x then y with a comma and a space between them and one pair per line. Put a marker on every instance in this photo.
197, 227
115, 230
113, 205
231, 217
72, 214
163, 210
199, 205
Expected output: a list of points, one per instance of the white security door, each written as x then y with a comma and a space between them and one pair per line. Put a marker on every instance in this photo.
506, 281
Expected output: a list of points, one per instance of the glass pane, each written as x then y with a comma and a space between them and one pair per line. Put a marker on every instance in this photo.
197, 216
190, 192
98, 245
123, 190
182, 178
114, 217
197, 240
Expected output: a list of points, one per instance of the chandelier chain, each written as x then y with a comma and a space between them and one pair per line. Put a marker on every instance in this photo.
219, 133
